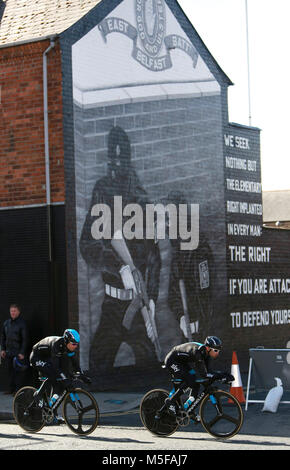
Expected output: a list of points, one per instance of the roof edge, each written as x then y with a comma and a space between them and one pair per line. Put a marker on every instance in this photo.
29, 41
244, 126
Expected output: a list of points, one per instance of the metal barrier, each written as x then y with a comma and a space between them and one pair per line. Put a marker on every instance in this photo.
264, 366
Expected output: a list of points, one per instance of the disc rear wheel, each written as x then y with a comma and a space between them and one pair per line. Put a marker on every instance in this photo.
163, 424
27, 414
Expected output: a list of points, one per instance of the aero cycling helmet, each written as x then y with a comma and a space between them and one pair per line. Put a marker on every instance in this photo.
213, 342
71, 336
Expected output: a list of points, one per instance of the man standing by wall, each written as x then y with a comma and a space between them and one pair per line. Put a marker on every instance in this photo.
14, 345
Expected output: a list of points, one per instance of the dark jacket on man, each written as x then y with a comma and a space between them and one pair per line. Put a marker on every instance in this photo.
14, 337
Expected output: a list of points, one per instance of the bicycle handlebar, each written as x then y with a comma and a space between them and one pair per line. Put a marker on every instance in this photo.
206, 382
210, 380
69, 382
82, 377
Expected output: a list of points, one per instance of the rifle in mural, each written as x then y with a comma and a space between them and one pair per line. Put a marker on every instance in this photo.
132, 279
185, 308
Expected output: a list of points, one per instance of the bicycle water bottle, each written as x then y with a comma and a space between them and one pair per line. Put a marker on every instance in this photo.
53, 399
188, 402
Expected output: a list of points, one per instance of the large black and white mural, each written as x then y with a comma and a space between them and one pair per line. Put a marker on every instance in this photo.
149, 188
164, 212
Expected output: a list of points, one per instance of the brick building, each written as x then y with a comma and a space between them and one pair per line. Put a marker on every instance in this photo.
32, 197
116, 103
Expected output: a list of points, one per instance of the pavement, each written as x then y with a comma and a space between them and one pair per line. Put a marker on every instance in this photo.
256, 422
108, 402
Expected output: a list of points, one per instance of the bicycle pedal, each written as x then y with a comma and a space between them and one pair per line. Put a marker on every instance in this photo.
195, 422
57, 421
195, 418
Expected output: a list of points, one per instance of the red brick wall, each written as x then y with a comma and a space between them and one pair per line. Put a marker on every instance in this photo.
22, 156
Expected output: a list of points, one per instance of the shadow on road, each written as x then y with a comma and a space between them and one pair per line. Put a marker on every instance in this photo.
256, 422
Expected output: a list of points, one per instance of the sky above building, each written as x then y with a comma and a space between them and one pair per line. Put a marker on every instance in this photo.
260, 95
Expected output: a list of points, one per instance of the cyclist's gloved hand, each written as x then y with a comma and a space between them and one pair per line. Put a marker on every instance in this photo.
85, 379
224, 377
228, 377
67, 383
218, 376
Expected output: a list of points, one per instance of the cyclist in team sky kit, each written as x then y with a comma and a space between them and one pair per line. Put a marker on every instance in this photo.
55, 358
188, 363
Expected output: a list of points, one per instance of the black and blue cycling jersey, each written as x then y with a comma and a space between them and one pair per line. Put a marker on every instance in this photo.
51, 354
190, 358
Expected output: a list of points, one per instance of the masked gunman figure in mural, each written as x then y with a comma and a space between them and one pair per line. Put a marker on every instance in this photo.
191, 278
126, 334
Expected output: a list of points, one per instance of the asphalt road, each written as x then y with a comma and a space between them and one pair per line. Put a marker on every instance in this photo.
124, 436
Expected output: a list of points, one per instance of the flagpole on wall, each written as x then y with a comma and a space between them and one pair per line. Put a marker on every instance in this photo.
248, 64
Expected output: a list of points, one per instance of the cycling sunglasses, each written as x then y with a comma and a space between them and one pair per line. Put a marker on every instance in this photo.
215, 350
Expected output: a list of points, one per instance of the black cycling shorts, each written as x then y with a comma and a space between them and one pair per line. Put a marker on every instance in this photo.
179, 367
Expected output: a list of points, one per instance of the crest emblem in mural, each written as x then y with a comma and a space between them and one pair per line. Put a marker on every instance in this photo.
150, 19
151, 47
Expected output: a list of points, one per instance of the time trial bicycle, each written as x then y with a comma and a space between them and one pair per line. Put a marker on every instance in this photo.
80, 409
220, 413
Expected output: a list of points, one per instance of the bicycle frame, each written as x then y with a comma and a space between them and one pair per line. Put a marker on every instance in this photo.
58, 402
190, 405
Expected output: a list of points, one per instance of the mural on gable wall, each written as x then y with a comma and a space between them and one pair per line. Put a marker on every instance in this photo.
147, 126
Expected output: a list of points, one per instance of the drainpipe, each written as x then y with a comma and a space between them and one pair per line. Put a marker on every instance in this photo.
46, 144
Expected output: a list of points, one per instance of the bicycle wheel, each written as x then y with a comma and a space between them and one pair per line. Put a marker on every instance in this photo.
150, 404
29, 418
80, 411
221, 414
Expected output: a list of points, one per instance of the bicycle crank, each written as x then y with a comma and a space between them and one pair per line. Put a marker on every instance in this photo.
182, 418
48, 415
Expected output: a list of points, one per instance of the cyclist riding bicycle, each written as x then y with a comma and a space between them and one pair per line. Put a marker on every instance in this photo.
53, 355
189, 365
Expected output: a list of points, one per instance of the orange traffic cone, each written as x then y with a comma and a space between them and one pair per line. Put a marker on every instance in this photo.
236, 387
